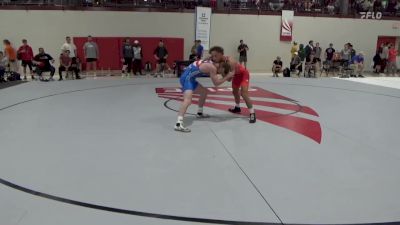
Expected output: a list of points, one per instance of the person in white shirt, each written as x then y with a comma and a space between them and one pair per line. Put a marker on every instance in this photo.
69, 46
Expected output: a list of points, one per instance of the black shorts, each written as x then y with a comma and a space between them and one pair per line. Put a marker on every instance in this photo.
28, 63
318, 59
127, 61
91, 60
162, 61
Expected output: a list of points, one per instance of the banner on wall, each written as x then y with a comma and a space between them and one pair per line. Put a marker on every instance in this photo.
287, 25
203, 26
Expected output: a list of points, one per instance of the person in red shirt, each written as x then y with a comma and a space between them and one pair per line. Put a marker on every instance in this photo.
25, 54
392, 67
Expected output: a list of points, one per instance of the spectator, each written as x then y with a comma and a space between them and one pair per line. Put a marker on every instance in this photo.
393, 6
310, 65
91, 52
307, 5
137, 57
242, 49
68, 45
277, 67
43, 64
127, 57
358, 64
331, 7
309, 49
193, 52
329, 52
345, 55
352, 50
161, 55
296, 64
66, 65
377, 6
3, 66
377, 62
25, 53
199, 50
384, 56
11, 55
392, 66
318, 52
295, 49
302, 52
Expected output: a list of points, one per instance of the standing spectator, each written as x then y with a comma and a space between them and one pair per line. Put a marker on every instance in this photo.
317, 53
91, 52
384, 56
277, 67
377, 6
329, 52
25, 53
302, 52
193, 52
11, 55
393, 6
309, 49
199, 50
137, 58
358, 64
3, 66
242, 49
392, 67
127, 54
295, 49
331, 7
377, 62
43, 62
68, 45
161, 55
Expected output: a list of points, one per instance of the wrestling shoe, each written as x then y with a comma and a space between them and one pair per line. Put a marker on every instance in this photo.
252, 118
235, 110
202, 115
181, 128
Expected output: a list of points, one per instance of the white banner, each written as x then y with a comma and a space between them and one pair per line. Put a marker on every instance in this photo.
287, 25
203, 26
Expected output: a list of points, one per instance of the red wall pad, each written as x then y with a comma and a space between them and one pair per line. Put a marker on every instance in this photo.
110, 50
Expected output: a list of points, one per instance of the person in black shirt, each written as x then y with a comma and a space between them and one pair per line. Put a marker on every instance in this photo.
161, 55
242, 49
277, 67
127, 54
329, 52
43, 63
311, 63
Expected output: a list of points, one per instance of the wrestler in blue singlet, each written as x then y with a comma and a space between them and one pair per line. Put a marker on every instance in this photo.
188, 78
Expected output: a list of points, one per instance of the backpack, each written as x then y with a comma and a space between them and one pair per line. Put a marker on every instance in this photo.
14, 76
286, 72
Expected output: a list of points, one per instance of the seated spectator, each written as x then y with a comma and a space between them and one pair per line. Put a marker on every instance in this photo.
378, 6
43, 64
357, 63
393, 6
310, 65
276, 5
3, 66
331, 7
277, 67
25, 54
296, 64
68, 64
377, 62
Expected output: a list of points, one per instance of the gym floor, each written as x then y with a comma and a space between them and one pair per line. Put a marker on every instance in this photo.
103, 151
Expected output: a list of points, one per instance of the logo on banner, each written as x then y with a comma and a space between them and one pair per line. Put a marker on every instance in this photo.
371, 15
270, 107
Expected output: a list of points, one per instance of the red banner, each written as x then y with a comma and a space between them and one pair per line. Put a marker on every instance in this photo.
287, 25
